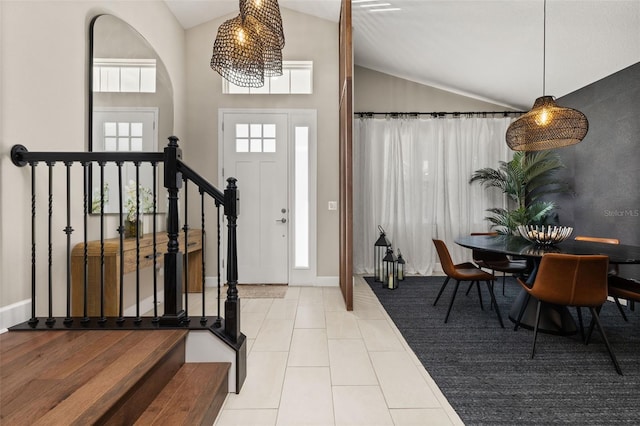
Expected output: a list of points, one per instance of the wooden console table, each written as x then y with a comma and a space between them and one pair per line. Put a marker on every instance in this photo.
193, 258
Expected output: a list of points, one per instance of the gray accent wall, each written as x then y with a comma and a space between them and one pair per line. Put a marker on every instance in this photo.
604, 168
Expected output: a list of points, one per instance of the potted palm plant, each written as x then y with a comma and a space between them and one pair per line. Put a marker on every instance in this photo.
526, 179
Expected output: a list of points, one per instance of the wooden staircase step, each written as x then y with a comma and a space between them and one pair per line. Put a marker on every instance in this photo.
85, 377
193, 397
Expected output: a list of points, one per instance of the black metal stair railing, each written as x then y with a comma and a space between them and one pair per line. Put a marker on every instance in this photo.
177, 176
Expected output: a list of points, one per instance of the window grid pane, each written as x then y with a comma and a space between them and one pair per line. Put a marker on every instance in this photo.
269, 145
123, 129
256, 145
256, 130
123, 144
242, 130
242, 145
269, 130
110, 129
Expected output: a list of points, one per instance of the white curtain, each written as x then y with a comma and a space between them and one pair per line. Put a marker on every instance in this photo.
411, 176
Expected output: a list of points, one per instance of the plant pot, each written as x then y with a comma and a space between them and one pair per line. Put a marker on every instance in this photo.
133, 228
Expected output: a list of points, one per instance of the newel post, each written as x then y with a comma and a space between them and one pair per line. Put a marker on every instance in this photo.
232, 304
173, 312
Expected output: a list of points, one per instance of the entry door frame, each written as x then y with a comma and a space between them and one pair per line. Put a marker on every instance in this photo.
295, 118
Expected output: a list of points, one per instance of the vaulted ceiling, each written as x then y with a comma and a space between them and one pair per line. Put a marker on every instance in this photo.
493, 50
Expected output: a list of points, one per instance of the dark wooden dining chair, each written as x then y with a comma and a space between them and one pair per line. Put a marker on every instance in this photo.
463, 272
571, 280
497, 261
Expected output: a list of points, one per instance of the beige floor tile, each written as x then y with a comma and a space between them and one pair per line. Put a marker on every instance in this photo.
250, 343
333, 300
401, 382
292, 293
360, 406
247, 418
309, 348
310, 316
310, 296
263, 386
251, 322
342, 325
367, 314
306, 397
420, 417
275, 335
350, 363
283, 309
379, 336
255, 305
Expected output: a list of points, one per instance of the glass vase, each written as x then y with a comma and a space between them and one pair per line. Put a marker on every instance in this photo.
133, 228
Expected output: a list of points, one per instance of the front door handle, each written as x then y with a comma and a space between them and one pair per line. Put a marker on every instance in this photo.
283, 220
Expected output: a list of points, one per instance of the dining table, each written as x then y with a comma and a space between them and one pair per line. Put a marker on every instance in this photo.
554, 319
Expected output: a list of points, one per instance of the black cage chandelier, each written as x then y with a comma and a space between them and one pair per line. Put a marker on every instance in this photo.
249, 47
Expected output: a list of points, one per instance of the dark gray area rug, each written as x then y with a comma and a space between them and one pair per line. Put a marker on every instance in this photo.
486, 372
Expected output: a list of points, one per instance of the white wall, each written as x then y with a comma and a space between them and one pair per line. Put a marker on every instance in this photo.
307, 38
378, 92
44, 103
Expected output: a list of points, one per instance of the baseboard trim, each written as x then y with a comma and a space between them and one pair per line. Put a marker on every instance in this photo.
327, 281
212, 282
13, 314
146, 305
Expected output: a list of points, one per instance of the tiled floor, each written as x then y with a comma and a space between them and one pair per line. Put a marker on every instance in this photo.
310, 362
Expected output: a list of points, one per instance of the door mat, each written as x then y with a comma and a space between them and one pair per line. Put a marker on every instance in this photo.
261, 291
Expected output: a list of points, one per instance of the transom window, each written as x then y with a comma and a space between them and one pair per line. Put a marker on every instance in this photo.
255, 137
296, 79
124, 75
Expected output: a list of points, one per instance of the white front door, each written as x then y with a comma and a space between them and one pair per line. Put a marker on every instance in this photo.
255, 153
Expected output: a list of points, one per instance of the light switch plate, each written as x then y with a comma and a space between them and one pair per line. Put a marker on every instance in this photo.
333, 205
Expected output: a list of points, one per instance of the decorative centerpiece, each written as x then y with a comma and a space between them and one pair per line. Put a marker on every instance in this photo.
545, 235
133, 223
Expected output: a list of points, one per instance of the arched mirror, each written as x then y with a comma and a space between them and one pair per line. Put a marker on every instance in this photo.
131, 100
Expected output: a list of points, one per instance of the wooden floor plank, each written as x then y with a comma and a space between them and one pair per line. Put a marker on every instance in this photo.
69, 372
194, 396
51, 358
104, 388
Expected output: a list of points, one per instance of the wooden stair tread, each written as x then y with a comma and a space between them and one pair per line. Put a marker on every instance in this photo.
62, 377
193, 397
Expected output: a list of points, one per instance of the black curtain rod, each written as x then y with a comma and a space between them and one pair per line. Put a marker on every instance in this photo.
437, 114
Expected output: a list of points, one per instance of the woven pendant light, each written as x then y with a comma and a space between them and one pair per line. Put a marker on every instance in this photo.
547, 125
271, 53
267, 13
264, 16
238, 54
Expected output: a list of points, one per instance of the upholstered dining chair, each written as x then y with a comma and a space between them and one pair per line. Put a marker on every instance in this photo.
571, 280
497, 261
613, 269
463, 272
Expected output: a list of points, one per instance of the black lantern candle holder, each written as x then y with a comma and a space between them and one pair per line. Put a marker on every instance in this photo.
379, 251
401, 264
390, 270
